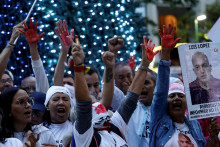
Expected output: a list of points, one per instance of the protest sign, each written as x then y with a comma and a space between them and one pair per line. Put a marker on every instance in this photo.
214, 33
200, 63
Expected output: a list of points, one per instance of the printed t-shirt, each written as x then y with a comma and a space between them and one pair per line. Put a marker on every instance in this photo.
182, 137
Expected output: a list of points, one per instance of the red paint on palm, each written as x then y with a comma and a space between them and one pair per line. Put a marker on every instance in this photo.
149, 49
31, 34
167, 37
132, 62
62, 32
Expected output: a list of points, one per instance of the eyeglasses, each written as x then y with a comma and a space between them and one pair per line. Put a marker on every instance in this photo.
9, 80
23, 102
38, 113
29, 88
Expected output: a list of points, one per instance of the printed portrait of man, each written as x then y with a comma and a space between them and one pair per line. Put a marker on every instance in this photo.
184, 141
206, 87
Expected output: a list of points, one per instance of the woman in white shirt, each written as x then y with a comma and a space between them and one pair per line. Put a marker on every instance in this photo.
17, 109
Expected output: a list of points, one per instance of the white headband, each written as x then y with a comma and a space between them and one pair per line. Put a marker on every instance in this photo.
54, 89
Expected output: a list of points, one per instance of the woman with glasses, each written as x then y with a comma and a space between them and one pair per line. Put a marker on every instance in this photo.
17, 107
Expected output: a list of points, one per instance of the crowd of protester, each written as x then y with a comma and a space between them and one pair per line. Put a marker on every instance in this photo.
130, 110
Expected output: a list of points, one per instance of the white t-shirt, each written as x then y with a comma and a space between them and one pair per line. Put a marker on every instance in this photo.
138, 134
107, 139
60, 130
182, 137
11, 142
46, 135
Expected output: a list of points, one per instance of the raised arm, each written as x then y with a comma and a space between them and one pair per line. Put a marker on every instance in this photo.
128, 106
159, 104
108, 79
62, 32
83, 100
6, 53
114, 45
42, 84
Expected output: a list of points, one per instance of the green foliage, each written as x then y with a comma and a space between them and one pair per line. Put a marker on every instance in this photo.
186, 25
173, 3
186, 29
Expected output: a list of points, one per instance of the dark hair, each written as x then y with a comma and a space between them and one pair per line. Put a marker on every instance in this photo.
67, 75
6, 101
3, 130
92, 71
46, 119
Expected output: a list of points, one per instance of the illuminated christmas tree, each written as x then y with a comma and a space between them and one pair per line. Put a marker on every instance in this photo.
94, 21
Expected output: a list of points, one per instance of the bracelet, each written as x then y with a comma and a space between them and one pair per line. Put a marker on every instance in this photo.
11, 45
144, 68
79, 68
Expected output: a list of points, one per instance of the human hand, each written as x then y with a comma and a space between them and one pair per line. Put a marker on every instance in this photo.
16, 33
115, 44
167, 38
147, 52
31, 35
132, 62
62, 33
214, 127
77, 53
31, 140
108, 59
149, 49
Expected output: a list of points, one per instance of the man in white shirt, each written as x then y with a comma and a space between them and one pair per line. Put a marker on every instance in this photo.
138, 134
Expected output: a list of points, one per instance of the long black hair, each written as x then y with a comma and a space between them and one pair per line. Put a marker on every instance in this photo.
3, 130
6, 103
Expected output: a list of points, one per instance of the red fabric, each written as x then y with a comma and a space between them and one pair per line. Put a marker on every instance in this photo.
100, 109
78, 68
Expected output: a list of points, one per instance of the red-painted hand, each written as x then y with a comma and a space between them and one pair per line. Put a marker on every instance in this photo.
149, 49
132, 62
167, 38
31, 34
62, 32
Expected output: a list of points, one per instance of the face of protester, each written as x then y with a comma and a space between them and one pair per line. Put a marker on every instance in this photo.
202, 69
177, 105
5, 82
59, 107
147, 91
123, 78
37, 117
69, 81
93, 84
29, 83
184, 142
21, 107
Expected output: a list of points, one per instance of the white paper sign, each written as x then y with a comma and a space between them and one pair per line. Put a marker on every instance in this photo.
214, 33
200, 63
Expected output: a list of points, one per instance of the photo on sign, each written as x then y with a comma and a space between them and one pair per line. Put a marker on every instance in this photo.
201, 69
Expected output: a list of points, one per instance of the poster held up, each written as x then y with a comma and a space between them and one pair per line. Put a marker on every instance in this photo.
200, 70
